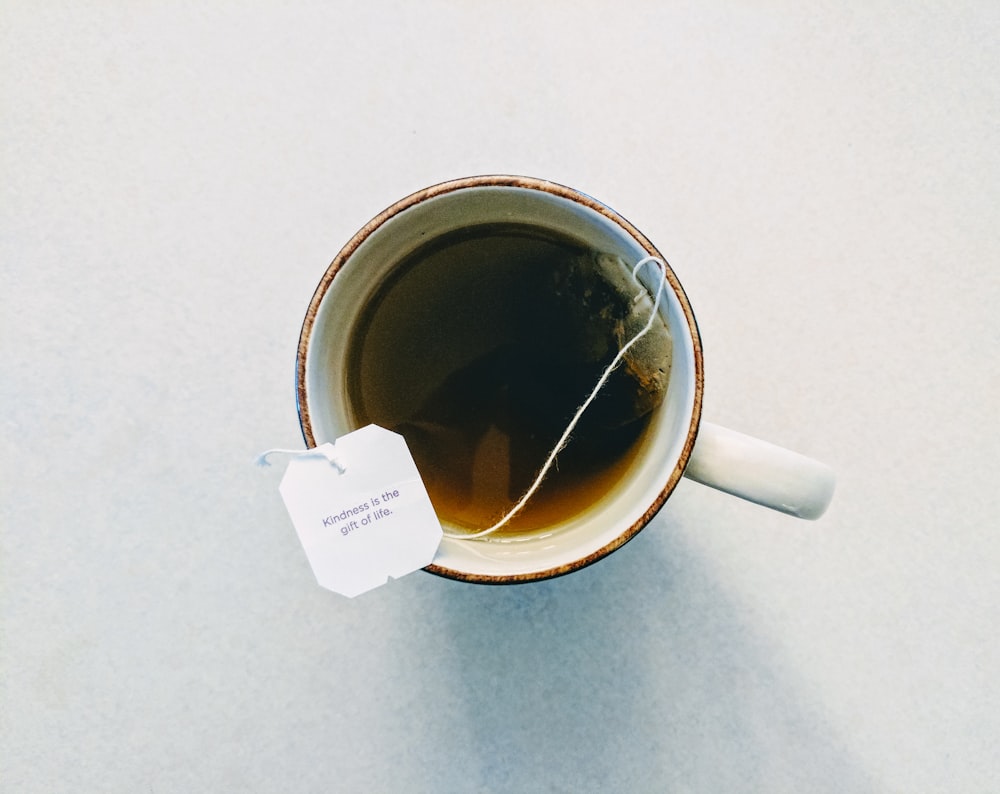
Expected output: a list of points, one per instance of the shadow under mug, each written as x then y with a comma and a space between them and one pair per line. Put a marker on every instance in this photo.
677, 442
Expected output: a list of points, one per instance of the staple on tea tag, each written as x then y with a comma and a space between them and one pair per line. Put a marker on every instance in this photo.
360, 510
565, 437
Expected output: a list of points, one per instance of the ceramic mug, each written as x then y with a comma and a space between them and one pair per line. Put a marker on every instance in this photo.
677, 443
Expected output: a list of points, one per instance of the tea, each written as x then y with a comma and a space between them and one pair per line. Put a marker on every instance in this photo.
480, 347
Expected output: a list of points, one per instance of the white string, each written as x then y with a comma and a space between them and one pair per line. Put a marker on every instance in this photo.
262, 460
564, 438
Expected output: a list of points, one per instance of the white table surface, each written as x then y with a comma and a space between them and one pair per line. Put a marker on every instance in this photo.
825, 181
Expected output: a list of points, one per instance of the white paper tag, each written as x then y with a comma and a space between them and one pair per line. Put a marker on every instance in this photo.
361, 511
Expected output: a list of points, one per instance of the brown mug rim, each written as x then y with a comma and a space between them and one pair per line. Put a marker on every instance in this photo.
553, 188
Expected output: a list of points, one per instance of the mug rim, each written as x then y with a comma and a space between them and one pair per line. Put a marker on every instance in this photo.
564, 192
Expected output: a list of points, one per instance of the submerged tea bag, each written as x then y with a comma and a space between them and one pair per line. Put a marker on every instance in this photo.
601, 308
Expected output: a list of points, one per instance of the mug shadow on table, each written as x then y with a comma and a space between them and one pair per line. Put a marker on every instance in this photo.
636, 674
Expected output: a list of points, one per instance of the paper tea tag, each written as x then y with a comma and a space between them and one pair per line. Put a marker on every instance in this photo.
361, 510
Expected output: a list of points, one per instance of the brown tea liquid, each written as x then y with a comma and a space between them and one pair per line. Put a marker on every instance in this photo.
475, 351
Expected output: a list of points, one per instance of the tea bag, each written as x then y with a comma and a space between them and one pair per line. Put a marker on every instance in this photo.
601, 308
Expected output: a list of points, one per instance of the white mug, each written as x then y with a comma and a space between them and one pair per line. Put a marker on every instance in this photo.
678, 443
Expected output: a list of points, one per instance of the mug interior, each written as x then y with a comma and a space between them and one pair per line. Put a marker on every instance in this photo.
356, 276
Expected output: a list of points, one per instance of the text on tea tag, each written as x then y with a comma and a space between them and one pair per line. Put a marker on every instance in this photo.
360, 510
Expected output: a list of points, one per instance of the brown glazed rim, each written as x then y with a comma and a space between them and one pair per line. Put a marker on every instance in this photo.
544, 186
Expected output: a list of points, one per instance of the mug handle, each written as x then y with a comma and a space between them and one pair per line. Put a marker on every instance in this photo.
760, 472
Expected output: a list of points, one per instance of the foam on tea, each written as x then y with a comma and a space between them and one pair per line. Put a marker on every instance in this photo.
480, 348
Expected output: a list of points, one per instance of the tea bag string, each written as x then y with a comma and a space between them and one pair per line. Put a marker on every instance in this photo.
316, 452
564, 438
